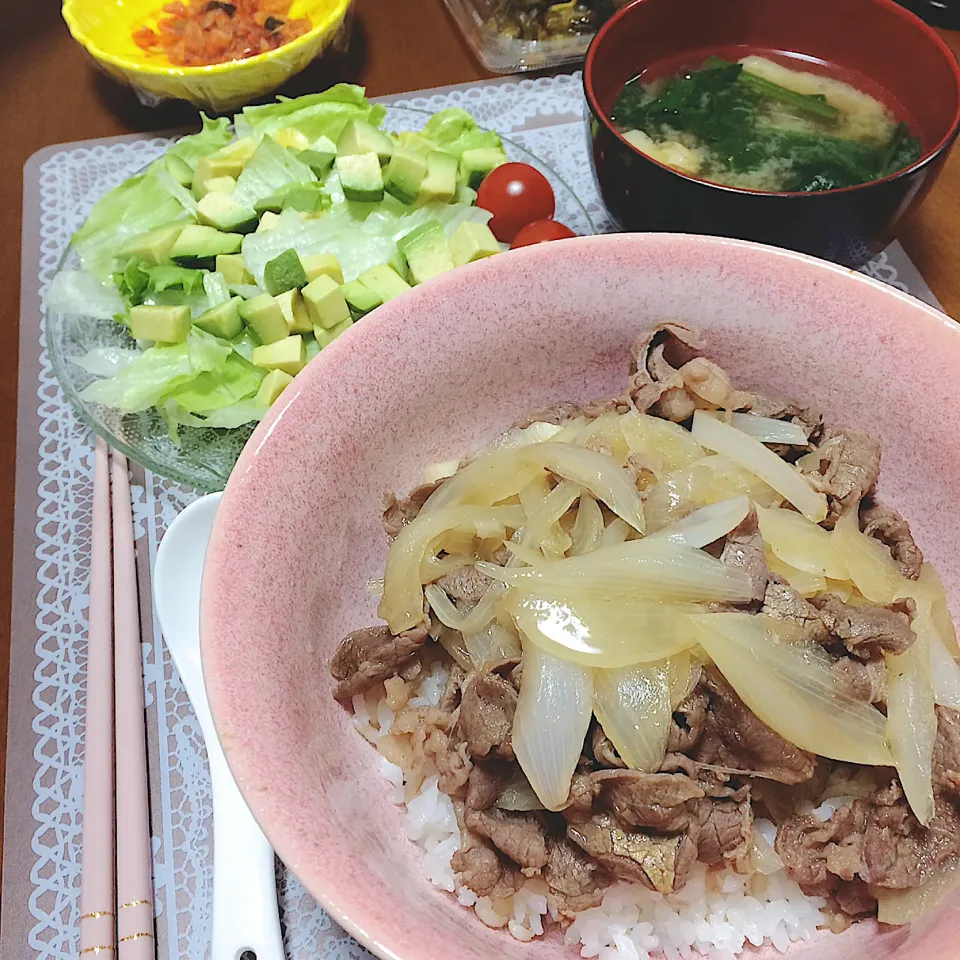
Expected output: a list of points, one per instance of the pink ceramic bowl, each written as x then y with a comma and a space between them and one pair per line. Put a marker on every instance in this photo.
439, 372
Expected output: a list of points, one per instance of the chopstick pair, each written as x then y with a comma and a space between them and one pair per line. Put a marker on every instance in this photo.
116, 884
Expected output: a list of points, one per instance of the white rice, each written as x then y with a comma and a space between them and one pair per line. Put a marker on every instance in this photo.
713, 915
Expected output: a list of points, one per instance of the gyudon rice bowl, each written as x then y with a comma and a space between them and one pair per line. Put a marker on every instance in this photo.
661, 670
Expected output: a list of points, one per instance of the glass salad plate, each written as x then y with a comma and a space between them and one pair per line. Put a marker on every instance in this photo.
202, 457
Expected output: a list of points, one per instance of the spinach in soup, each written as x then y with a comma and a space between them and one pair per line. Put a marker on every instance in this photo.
759, 125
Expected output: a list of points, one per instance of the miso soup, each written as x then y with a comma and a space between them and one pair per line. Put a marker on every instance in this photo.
759, 125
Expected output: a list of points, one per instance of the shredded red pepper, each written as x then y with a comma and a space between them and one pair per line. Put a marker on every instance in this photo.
214, 31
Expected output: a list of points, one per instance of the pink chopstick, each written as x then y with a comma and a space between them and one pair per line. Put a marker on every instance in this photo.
135, 927
97, 904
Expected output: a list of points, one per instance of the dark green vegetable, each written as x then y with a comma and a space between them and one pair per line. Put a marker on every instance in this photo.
727, 109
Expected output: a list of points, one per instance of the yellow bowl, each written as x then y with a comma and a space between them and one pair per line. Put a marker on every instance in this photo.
105, 28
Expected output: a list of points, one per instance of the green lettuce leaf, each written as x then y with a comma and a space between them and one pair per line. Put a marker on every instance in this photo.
235, 380
214, 135
271, 168
236, 415
454, 131
141, 282
158, 371
75, 293
315, 115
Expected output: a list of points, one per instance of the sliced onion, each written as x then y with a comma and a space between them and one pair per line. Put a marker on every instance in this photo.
898, 907
870, 564
537, 432
491, 478
671, 442
541, 530
553, 714
768, 430
944, 669
801, 543
928, 591
614, 533
912, 725
597, 472
752, 455
633, 707
433, 568
705, 525
440, 471
606, 431
637, 569
452, 642
518, 795
792, 688
588, 526
684, 672
601, 633
402, 603
807, 584
443, 606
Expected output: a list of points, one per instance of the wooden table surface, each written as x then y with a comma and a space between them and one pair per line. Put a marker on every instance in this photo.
49, 93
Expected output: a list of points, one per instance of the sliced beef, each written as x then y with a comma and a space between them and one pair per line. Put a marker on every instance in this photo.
785, 603
846, 468
877, 839
452, 689
783, 801
576, 880
658, 801
519, 836
862, 681
486, 715
661, 863
688, 722
604, 752
369, 656
465, 583
725, 829
743, 549
887, 526
654, 371
561, 413
434, 739
486, 783
870, 630
397, 512
855, 899
479, 866
734, 738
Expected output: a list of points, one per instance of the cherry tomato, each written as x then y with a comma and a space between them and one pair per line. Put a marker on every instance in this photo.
540, 231
516, 194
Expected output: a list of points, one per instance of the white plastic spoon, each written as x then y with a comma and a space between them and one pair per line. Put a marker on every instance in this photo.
245, 915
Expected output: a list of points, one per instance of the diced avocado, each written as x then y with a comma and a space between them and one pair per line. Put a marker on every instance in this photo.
472, 241
359, 137
320, 156
305, 197
322, 265
404, 174
223, 185
287, 355
220, 210
361, 177
274, 202
476, 164
294, 311
268, 221
198, 245
234, 268
154, 246
160, 324
291, 137
440, 183
466, 195
223, 320
325, 302
360, 298
284, 272
384, 281
265, 318
426, 251
236, 155
179, 169
326, 337
214, 166
272, 385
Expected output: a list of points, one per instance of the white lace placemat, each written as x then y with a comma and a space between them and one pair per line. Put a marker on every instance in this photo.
545, 116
